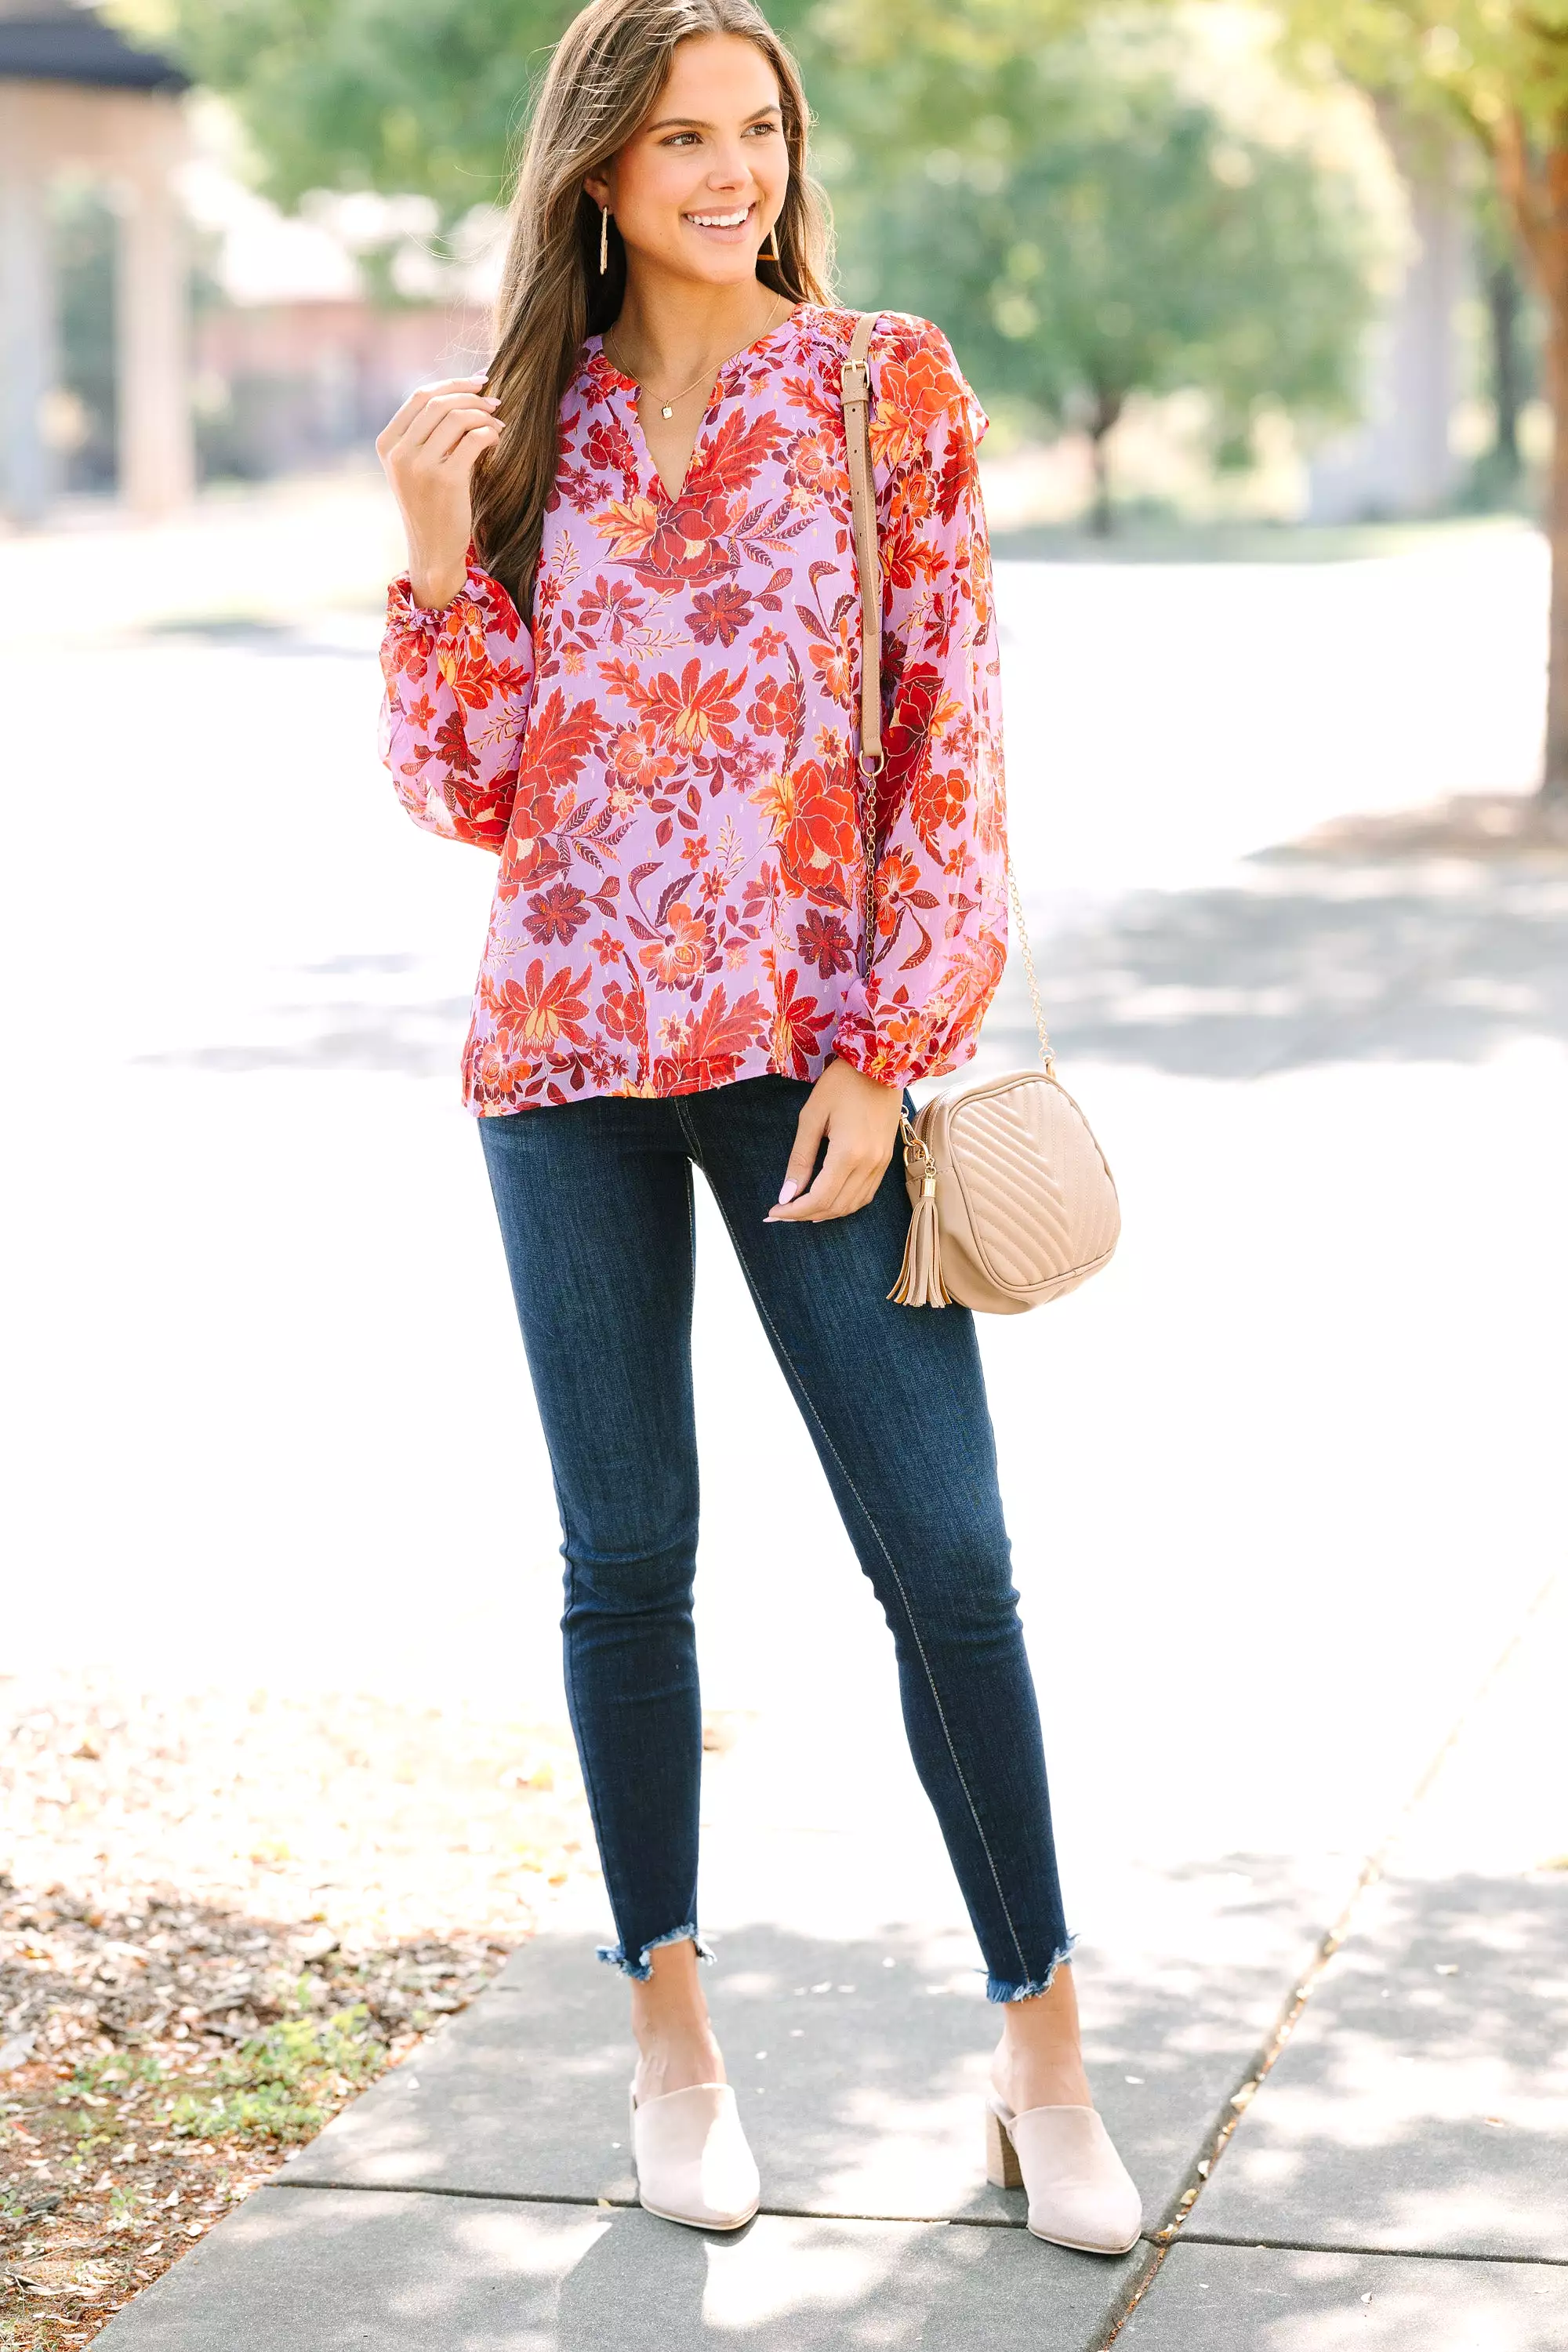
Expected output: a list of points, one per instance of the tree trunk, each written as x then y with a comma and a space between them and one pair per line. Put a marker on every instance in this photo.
1554, 775
1101, 515
1535, 185
1505, 312
1107, 407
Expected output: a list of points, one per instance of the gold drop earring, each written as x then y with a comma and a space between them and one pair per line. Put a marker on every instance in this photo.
604, 238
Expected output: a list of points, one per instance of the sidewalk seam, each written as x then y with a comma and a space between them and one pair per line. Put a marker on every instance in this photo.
634, 2204
1379, 2254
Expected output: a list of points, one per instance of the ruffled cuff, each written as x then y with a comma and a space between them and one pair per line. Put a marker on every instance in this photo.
901, 1054
481, 597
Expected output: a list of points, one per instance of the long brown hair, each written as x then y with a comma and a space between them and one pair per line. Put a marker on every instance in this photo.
608, 70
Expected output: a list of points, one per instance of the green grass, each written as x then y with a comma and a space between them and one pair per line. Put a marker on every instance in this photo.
117, 2071
1141, 540
275, 2087
283, 2084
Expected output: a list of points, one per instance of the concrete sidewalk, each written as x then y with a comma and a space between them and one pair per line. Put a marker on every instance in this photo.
1400, 2178
1401, 2175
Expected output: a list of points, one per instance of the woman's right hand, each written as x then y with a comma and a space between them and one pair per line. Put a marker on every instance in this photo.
429, 451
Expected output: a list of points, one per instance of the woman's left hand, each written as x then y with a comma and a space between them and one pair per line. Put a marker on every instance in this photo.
860, 1120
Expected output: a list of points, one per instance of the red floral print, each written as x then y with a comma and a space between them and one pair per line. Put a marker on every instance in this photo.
558, 913
666, 761
798, 1027
824, 943
638, 758
707, 1048
812, 815
680, 959
719, 616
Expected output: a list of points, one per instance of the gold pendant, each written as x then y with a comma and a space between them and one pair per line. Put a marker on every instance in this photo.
667, 412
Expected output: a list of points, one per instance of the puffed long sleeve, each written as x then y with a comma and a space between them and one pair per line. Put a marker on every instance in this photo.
940, 938
457, 688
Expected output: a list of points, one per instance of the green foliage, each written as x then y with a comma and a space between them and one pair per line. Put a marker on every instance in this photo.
368, 93
1031, 173
1489, 64
118, 2070
273, 2086
1497, 69
886, 77
428, 99
1103, 233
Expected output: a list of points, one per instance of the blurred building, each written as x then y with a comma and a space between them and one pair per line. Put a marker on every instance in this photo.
311, 328
160, 323
291, 384
76, 97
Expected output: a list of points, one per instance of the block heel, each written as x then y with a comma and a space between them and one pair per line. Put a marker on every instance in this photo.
1081, 2193
1003, 2170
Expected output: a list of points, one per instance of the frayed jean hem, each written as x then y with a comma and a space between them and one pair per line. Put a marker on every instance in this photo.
640, 1970
1000, 1988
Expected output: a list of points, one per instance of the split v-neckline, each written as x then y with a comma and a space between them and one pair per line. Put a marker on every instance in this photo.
629, 385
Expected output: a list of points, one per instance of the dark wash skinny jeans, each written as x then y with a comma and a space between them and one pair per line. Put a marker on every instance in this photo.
596, 1206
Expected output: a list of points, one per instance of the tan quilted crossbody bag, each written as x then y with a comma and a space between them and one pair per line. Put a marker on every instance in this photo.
1011, 1198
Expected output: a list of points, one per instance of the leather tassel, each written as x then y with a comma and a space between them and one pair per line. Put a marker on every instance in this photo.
920, 1282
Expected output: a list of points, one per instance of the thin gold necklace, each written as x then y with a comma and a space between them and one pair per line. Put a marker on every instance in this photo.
667, 407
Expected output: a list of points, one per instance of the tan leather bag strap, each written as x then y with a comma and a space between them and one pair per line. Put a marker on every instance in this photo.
855, 377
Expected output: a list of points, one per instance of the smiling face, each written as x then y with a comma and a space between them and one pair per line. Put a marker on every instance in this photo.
696, 189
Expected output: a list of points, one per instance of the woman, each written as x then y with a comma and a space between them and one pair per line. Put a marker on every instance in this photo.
626, 657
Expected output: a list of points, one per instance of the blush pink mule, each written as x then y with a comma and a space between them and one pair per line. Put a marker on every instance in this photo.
693, 2163
1081, 2193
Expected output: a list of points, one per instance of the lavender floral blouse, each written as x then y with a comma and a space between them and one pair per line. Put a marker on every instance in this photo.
666, 761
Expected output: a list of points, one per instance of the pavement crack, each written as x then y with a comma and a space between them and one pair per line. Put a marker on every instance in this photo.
633, 2204
1202, 2168
444, 2188
1382, 2254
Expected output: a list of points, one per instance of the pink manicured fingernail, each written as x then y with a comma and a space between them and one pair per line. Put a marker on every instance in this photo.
788, 1190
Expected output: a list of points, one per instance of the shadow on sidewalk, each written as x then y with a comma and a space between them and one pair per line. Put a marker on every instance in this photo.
1296, 964
1299, 964
860, 2063
341, 2270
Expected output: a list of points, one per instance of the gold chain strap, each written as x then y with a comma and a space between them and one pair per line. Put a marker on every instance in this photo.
1047, 1057
856, 385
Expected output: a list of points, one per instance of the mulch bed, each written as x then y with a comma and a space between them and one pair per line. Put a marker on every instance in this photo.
220, 1917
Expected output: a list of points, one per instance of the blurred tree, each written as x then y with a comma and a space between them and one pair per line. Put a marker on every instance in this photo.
428, 100
1108, 233
902, 75
1498, 70
1082, 229
367, 93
